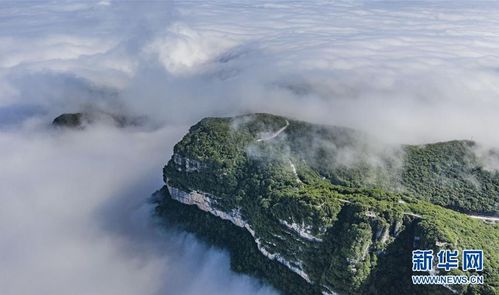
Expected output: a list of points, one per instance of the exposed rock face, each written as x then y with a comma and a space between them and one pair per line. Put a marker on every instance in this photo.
187, 164
296, 259
334, 239
302, 230
204, 202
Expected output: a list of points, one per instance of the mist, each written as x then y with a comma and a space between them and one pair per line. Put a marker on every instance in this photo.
75, 216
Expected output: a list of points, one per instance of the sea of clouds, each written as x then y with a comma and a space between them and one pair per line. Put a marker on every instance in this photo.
74, 216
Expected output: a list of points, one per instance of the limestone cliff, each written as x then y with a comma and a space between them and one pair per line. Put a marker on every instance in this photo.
252, 177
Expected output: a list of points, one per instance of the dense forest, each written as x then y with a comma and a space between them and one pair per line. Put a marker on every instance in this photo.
339, 211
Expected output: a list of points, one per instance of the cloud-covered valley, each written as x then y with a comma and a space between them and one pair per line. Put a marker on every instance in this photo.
74, 216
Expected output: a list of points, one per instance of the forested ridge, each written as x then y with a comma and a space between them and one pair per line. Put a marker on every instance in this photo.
364, 208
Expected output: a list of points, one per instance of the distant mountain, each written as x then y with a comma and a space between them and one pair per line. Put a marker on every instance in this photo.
317, 209
82, 119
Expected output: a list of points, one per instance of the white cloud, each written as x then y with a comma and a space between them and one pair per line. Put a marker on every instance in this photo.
181, 49
74, 218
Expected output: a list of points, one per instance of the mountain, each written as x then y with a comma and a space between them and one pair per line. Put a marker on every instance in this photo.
82, 119
323, 210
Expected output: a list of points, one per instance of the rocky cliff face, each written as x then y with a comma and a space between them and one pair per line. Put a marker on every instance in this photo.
297, 227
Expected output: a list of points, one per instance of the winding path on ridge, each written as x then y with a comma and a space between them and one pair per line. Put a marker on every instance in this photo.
485, 218
274, 135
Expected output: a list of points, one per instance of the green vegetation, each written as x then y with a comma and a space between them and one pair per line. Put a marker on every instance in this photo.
321, 198
451, 175
245, 256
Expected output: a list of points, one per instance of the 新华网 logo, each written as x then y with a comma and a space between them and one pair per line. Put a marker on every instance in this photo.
424, 261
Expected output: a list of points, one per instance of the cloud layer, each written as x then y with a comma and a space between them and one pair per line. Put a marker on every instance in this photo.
74, 219
73, 213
